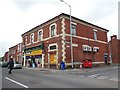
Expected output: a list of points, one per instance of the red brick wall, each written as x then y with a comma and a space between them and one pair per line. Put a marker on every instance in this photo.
82, 31
13, 52
79, 55
114, 49
86, 32
6, 56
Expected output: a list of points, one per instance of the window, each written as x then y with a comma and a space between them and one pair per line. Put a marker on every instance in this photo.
32, 38
53, 47
52, 30
95, 35
26, 40
19, 47
73, 27
40, 35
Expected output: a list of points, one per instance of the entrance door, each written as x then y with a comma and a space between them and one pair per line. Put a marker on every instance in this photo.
52, 58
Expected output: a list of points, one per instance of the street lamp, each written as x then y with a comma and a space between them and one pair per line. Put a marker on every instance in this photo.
70, 32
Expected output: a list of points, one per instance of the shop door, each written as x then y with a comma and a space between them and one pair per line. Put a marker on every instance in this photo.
52, 58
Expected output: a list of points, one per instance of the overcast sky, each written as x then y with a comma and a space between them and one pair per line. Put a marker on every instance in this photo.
19, 16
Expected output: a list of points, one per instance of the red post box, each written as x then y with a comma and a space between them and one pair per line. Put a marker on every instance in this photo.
87, 63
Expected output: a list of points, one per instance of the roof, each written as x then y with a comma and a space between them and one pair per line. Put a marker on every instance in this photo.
63, 14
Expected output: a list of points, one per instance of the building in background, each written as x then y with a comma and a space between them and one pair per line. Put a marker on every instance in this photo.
114, 49
6, 56
15, 52
49, 43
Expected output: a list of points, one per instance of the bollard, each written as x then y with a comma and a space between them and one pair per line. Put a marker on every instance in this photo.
80, 66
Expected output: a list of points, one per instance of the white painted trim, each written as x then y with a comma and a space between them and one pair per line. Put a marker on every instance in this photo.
97, 62
75, 45
73, 23
63, 40
43, 60
95, 30
52, 45
84, 38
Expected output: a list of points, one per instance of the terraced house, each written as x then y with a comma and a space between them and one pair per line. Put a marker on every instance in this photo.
49, 42
15, 52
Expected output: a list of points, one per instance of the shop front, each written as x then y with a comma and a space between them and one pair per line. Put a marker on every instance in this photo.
35, 57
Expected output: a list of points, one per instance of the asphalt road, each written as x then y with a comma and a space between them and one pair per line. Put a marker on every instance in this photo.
105, 77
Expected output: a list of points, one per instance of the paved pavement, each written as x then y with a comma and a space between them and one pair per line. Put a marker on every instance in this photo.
81, 70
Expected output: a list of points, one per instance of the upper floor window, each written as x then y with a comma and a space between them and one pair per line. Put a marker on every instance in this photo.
25, 40
52, 30
40, 35
73, 28
32, 38
19, 47
95, 35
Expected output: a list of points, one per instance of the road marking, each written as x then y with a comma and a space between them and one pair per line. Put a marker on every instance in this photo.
114, 79
17, 82
92, 70
102, 77
82, 76
116, 67
92, 76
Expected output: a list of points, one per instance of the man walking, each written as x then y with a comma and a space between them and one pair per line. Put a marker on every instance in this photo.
10, 65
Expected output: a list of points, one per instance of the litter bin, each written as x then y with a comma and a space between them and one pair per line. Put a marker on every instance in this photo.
62, 66
87, 63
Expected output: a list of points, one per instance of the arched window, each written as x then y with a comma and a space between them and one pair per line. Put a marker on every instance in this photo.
40, 35
32, 38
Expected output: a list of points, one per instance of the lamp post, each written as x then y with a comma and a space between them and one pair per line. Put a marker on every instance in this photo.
70, 32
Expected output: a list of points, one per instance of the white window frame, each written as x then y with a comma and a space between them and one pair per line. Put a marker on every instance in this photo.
73, 30
54, 44
95, 35
41, 30
55, 31
31, 40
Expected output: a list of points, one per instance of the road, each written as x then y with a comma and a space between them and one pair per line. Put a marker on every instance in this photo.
105, 77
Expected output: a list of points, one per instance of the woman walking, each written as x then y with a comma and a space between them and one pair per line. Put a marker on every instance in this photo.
10, 65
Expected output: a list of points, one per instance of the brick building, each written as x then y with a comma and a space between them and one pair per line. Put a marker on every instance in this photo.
49, 42
6, 56
15, 52
114, 49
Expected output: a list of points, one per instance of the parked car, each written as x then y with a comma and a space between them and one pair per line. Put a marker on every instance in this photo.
17, 65
3, 64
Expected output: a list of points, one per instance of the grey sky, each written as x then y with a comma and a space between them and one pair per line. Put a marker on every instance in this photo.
19, 16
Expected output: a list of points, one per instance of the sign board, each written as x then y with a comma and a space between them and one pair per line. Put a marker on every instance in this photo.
34, 52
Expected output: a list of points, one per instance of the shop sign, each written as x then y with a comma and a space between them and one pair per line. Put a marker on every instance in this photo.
34, 52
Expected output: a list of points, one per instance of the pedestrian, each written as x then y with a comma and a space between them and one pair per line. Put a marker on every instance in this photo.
39, 65
10, 65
